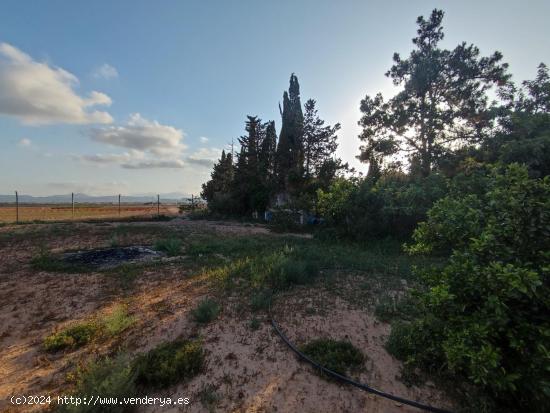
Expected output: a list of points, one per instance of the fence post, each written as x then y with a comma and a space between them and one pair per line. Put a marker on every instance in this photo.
158, 205
72, 203
118, 204
16, 207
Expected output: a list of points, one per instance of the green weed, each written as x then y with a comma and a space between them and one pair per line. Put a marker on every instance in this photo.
339, 356
169, 363
72, 337
206, 311
117, 321
171, 246
110, 377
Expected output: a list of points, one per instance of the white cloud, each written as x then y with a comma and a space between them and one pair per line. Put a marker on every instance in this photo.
110, 158
25, 143
205, 157
143, 135
155, 163
105, 71
37, 93
150, 144
203, 139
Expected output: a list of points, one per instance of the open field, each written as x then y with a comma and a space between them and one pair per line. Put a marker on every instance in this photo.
29, 213
247, 368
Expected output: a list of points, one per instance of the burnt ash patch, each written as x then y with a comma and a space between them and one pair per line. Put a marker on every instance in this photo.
111, 257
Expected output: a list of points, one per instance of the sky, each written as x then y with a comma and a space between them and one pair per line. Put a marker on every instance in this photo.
140, 97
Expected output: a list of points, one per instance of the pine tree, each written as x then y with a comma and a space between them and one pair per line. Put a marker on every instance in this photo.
319, 141
249, 188
220, 184
290, 153
442, 105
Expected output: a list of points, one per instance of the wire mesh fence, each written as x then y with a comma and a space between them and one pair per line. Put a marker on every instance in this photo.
21, 209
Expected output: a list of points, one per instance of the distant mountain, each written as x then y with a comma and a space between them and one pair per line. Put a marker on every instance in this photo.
171, 197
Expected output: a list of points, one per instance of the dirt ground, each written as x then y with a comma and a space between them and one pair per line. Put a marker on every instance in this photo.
248, 370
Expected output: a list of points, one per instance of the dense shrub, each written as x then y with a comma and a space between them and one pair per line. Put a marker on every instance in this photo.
484, 316
288, 270
72, 337
110, 377
117, 321
339, 356
390, 206
169, 363
206, 311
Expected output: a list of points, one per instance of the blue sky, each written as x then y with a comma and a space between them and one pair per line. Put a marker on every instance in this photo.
136, 97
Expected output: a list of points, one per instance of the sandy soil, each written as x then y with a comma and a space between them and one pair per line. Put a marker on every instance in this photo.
249, 370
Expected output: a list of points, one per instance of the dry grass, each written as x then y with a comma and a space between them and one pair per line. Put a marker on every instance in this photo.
29, 213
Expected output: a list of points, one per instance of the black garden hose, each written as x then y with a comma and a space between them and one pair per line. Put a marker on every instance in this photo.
347, 380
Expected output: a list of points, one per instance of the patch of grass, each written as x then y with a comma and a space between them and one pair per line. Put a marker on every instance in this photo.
285, 261
71, 337
206, 311
45, 261
293, 271
80, 334
237, 246
110, 377
169, 363
171, 246
339, 356
117, 321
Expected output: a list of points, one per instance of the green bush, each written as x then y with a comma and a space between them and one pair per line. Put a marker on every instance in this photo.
339, 356
293, 271
368, 209
171, 246
72, 337
110, 377
206, 311
484, 316
117, 321
169, 363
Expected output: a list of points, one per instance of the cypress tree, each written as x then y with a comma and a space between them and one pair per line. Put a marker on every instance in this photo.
290, 154
267, 151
